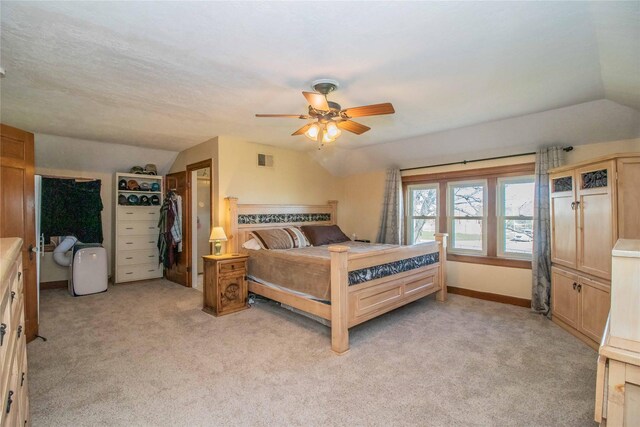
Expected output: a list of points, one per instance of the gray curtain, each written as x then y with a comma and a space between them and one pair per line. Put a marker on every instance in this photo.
390, 224
546, 158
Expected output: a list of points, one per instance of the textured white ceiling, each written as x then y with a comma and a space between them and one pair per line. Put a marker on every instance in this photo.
173, 74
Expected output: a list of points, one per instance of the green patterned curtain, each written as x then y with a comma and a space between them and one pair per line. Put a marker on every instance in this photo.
71, 208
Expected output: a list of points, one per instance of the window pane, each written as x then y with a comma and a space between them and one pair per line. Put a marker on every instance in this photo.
518, 199
518, 236
424, 230
425, 202
467, 234
467, 201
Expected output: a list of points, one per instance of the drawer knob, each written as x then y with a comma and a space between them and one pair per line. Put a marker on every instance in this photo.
13, 296
128, 243
129, 228
3, 331
9, 401
19, 275
130, 272
129, 257
19, 330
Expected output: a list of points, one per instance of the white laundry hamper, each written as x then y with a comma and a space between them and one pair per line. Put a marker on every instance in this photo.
88, 270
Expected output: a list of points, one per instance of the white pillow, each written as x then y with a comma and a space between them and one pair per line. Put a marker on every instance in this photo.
252, 244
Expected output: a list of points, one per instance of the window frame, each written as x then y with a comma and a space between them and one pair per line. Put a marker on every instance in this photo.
502, 218
409, 217
491, 174
451, 217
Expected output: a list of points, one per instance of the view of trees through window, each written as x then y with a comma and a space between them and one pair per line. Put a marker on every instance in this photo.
424, 212
516, 204
467, 209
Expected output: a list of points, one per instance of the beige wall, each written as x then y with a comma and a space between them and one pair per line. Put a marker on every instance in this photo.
364, 194
295, 177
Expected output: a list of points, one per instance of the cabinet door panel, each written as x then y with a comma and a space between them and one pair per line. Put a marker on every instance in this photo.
594, 310
564, 297
563, 231
595, 240
232, 291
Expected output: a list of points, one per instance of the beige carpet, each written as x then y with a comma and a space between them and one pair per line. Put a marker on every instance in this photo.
145, 354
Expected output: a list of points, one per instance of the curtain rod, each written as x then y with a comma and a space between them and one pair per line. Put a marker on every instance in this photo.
464, 162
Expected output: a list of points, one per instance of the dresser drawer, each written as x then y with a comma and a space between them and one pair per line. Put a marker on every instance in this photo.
138, 272
139, 213
126, 243
145, 256
232, 267
138, 228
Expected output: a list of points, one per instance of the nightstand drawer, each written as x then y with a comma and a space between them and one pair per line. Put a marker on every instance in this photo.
232, 267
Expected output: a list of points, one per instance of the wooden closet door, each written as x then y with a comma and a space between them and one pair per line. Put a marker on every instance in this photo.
597, 227
564, 296
594, 307
563, 219
17, 211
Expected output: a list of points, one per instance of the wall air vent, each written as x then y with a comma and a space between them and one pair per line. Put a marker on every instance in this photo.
265, 160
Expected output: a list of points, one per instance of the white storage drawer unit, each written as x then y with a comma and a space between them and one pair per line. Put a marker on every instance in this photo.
137, 231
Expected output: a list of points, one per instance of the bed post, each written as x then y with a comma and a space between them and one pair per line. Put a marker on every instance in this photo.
339, 299
231, 224
441, 238
334, 211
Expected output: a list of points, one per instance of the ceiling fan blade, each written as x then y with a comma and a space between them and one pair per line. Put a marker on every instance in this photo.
369, 110
352, 126
317, 100
292, 116
302, 130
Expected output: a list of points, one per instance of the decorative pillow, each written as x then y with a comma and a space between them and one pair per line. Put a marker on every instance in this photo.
274, 238
299, 239
324, 234
252, 244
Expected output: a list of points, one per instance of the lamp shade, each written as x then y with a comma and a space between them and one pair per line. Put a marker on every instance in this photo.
217, 234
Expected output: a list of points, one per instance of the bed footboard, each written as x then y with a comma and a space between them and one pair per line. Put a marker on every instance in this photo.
352, 305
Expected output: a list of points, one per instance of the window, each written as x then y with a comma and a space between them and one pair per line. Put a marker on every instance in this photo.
467, 217
515, 217
487, 212
422, 212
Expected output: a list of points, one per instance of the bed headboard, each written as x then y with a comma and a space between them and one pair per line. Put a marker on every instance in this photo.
241, 219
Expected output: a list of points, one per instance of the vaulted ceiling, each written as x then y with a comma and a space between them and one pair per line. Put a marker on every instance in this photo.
173, 74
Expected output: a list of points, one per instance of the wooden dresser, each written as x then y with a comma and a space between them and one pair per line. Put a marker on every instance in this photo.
593, 204
618, 377
13, 344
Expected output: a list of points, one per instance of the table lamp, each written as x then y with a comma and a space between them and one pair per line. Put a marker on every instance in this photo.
217, 236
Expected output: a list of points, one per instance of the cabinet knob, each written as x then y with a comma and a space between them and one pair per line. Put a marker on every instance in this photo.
13, 296
579, 288
3, 331
19, 330
573, 205
574, 285
22, 380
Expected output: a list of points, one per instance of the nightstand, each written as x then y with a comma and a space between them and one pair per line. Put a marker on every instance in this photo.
225, 286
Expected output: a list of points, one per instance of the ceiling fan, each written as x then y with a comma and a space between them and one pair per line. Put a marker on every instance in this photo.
329, 119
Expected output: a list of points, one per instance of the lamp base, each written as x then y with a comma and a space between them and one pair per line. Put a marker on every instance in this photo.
217, 246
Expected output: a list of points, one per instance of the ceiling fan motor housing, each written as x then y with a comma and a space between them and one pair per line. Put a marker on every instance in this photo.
325, 86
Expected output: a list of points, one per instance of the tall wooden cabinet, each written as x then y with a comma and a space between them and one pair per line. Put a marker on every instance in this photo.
593, 204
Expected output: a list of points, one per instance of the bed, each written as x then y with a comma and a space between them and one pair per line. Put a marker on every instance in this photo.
345, 284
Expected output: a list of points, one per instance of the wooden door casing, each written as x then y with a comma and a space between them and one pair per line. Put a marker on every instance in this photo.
178, 182
597, 229
17, 211
564, 297
563, 224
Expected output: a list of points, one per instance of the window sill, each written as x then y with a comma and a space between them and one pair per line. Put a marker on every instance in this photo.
487, 260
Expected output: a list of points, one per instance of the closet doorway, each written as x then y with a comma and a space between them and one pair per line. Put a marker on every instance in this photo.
201, 218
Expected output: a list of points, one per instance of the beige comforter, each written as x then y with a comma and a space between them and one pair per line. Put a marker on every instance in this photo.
305, 270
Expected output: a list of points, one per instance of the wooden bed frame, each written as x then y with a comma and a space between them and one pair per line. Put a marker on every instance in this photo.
350, 305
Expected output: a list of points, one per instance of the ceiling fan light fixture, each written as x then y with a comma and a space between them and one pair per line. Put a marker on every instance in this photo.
312, 132
327, 138
332, 130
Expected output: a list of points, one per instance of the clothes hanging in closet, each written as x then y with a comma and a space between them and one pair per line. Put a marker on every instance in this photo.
170, 225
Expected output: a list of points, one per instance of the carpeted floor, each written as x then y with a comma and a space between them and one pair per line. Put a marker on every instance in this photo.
145, 354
